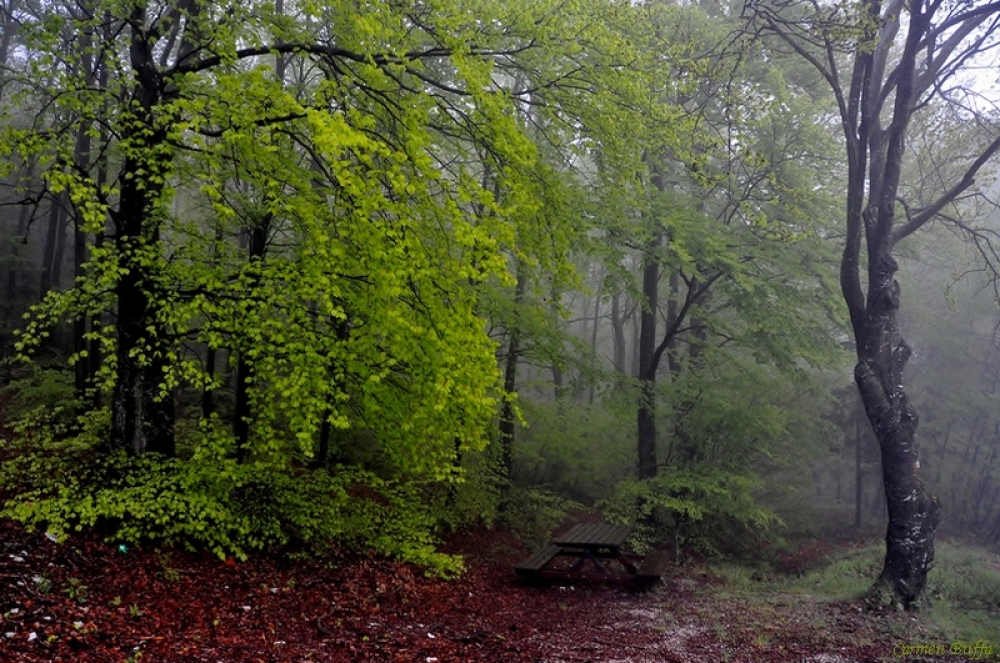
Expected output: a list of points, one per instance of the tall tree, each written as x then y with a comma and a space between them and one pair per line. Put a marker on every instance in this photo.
885, 62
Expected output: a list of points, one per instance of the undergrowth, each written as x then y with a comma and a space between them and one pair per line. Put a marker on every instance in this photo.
963, 588
60, 480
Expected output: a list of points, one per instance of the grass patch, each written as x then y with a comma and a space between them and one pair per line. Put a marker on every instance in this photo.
847, 576
963, 588
963, 591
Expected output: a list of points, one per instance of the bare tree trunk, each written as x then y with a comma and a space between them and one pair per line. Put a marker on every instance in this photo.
593, 334
8, 28
22, 228
913, 511
81, 155
646, 417
618, 327
859, 475
54, 227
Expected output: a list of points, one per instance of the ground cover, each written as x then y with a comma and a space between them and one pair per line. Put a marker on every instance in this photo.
86, 600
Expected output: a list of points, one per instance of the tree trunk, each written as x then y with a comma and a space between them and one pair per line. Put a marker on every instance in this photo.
646, 418
207, 394
245, 378
81, 155
894, 67
8, 27
593, 335
53, 228
508, 422
137, 386
859, 475
618, 327
913, 511
22, 228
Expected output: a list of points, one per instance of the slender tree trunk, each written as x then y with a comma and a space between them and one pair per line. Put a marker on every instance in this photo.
593, 334
208, 394
618, 327
22, 228
941, 451
646, 418
81, 155
8, 28
53, 228
245, 377
636, 337
508, 422
60, 248
859, 475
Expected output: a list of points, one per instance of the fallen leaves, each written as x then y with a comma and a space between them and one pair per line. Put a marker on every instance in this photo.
183, 608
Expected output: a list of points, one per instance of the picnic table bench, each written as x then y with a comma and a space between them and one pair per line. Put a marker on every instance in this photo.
598, 544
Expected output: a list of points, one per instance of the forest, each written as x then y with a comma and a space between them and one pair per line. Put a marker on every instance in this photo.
358, 279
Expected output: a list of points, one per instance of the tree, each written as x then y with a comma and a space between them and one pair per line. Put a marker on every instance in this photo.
719, 218
886, 62
324, 197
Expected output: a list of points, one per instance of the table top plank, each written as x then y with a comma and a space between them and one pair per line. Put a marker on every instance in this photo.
596, 535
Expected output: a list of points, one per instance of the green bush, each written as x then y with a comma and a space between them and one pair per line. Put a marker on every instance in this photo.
45, 396
574, 450
212, 503
533, 514
709, 511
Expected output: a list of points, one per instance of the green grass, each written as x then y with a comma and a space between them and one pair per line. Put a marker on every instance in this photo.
848, 576
963, 588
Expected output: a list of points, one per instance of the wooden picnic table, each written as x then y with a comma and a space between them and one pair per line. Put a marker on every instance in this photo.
598, 544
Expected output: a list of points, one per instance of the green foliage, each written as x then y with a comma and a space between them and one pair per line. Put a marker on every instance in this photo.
707, 510
43, 395
215, 504
533, 513
76, 591
574, 450
338, 239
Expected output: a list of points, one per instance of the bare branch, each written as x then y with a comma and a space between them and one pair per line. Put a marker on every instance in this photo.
918, 220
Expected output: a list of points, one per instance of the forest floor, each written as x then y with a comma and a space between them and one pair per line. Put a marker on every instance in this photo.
89, 601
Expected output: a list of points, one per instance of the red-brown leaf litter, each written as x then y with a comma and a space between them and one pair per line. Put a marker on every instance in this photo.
85, 600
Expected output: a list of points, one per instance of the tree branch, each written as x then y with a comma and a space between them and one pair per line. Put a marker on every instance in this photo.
918, 220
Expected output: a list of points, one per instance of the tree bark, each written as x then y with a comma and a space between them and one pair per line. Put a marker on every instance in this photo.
245, 377
913, 511
646, 417
141, 420
508, 422
618, 327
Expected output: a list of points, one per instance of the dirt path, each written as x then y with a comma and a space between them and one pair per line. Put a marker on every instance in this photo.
88, 601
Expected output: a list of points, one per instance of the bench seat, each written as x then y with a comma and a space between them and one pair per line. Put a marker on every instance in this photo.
537, 561
652, 568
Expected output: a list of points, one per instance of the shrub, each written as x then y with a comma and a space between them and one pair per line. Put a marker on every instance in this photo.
211, 503
708, 511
